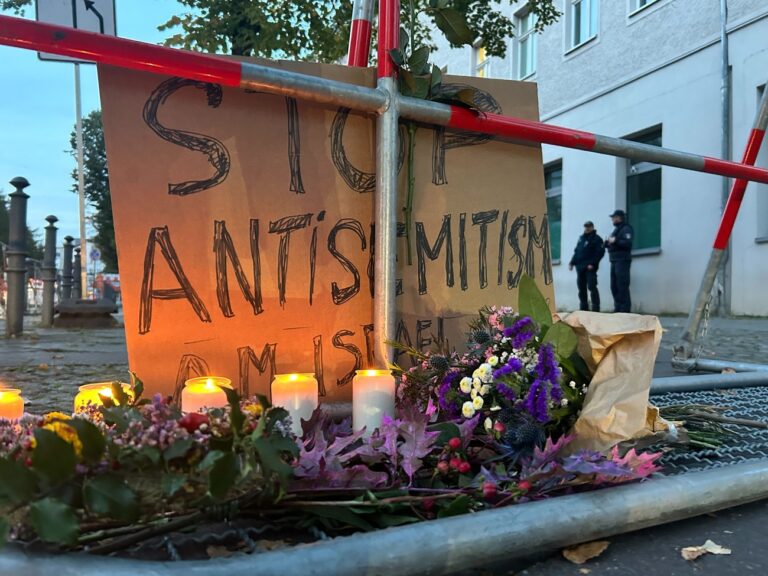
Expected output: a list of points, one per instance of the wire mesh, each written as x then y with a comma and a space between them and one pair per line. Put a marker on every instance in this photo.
747, 443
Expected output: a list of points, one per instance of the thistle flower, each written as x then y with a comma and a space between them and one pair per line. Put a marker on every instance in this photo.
481, 337
439, 363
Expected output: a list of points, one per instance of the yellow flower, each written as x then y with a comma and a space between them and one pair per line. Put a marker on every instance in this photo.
53, 422
253, 409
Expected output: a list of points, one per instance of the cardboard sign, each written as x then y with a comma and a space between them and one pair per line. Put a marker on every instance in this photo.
244, 226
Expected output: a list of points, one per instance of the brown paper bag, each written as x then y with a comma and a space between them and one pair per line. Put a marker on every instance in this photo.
620, 350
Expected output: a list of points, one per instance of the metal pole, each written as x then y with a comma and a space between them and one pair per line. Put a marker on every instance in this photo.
723, 304
49, 272
77, 287
684, 347
453, 544
66, 273
712, 365
360, 33
82, 270
385, 265
709, 382
17, 255
134, 55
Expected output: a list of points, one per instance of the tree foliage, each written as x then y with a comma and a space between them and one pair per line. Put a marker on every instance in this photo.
97, 186
319, 29
34, 246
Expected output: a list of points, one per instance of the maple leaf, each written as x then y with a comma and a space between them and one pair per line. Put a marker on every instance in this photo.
418, 442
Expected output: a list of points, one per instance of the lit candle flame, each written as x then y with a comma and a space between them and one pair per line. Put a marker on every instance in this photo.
293, 377
209, 384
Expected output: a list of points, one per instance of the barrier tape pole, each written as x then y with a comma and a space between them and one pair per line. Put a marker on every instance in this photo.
684, 347
360, 33
385, 206
141, 56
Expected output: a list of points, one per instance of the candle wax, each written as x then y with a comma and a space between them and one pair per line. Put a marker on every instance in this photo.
297, 393
373, 395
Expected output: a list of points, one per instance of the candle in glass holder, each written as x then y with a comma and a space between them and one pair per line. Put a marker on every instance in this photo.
373, 395
92, 393
11, 403
297, 393
204, 393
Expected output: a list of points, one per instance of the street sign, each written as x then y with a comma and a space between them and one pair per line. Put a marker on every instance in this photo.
90, 15
95, 255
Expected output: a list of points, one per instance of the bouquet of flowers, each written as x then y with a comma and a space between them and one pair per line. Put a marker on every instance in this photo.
520, 377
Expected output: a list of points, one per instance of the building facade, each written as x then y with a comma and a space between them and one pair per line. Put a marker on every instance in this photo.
647, 70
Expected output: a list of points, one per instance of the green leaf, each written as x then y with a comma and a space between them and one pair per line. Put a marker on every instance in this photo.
236, 416
397, 57
459, 505
137, 385
210, 459
110, 496
273, 416
453, 25
52, 456
263, 401
119, 395
271, 460
54, 521
178, 449
91, 438
418, 60
223, 475
447, 431
388, 520
403, 44
344, 516
17, 482
150, 454
563, 339
5, 528
531, 302
437, 77
172, 483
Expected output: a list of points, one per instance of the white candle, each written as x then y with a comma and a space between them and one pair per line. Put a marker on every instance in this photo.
297, 393
203, 393
91, 394
373, 395
11, 404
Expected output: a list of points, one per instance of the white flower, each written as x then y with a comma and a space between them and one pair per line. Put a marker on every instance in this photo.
493, 360
488, 424
485, 389
467, 410
495, 408
473, 393
478, 402
466, 384
572, 384
584, 389
564, 402
505, 339
476, 384
504, 355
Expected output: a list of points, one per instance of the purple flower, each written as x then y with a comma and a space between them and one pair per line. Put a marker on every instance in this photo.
446, 394
545, 386
520, 332
506, 391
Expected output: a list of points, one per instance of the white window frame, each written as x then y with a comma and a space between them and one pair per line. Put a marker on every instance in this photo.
635, 6
529, 36
571, 6
478, 66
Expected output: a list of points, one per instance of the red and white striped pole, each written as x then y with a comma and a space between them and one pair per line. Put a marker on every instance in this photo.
684, 349
360, 33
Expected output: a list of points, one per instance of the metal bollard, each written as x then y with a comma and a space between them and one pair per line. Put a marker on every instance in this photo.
49, 272
28, 286
17, 255
77, 289
66, 273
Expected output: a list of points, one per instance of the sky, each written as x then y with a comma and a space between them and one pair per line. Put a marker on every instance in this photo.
37, 115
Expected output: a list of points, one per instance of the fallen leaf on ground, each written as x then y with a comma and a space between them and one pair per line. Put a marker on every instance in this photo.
583, 552
584, 570
709, 547
43, 367
728, 371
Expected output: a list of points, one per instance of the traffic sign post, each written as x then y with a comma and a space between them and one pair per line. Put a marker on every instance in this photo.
92, 16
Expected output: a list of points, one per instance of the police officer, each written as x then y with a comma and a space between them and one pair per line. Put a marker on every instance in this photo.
586, 258
619, 245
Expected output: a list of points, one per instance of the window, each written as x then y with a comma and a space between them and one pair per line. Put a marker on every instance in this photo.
637, 5
481, 64
582, 16
526, 44
553, 184
644, 196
